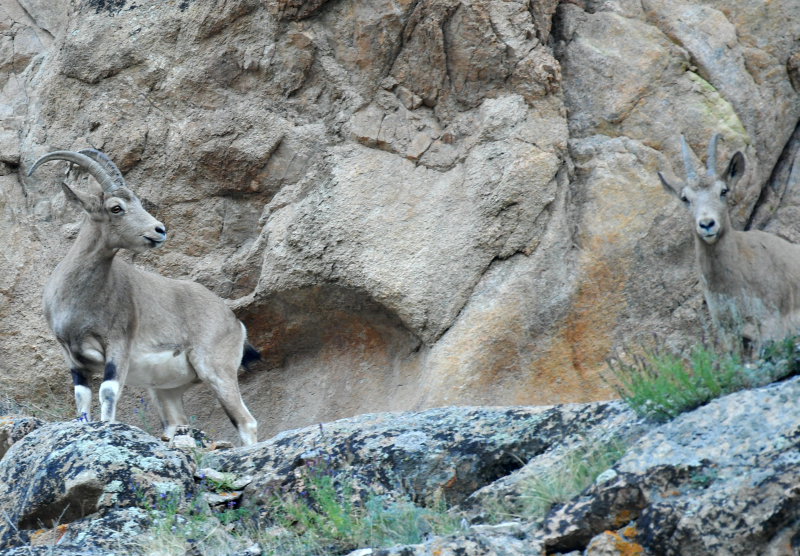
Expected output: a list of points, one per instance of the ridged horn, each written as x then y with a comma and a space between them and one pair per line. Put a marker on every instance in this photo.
691, 175
97, 171
711, 161
106, 163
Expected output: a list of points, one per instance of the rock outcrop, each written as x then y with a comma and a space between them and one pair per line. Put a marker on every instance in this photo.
14, 428
409, 204
439, 453
722, 479
86, 478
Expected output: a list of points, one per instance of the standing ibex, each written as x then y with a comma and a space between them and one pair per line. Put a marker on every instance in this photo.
133, 326
750, 280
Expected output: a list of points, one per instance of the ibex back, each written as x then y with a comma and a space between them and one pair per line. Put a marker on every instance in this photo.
136, 327
750, 280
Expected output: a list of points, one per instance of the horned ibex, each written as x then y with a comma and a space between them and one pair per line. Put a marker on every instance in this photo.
750, 280
136, 327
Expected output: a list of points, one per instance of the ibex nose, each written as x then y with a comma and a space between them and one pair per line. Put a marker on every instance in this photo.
707, 223
161, 230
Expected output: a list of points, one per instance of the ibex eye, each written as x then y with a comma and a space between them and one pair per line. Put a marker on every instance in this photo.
684, 199
723, 192
116, 210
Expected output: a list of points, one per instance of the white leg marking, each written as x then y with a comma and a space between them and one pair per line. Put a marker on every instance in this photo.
248, 433
83, 401
109, 391
169, 430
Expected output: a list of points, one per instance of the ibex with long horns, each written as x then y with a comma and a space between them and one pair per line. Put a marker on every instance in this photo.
750, 280
136, 327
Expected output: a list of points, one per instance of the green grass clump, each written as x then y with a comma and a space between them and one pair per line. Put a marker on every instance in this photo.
660, 384
538, 493
328, 518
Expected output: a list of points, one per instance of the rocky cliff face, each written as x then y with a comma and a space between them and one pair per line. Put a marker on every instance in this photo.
409, 204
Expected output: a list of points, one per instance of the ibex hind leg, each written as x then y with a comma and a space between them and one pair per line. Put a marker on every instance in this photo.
221, 378
169, 404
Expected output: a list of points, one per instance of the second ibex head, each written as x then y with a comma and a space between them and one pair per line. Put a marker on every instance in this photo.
705, 195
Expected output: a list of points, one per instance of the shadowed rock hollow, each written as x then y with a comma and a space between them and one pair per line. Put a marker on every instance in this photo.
409, 204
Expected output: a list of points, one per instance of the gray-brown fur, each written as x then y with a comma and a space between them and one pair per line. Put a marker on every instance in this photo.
136, 327
750, 280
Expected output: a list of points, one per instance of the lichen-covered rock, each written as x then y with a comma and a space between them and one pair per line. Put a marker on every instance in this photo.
470, 544
63, 472
436, 454
13, 428
610, 543
50, 550
723, 479
117, 531
617, 431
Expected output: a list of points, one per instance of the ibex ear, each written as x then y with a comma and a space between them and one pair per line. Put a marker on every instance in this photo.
86, 202
735, 170
667, 187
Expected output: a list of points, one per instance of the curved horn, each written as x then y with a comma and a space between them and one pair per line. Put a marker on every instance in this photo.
711, 161
691, 175
110, 168
96, 170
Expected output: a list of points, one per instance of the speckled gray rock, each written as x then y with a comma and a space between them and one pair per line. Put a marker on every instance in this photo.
467, 544
14, 427
609, 543
117, 531
63, 472
448, 452
49, 550
723, 479
621, 428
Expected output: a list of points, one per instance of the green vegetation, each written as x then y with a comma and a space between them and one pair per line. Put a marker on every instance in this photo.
328, 517
224, 483
660, 383
561, 482
176, 524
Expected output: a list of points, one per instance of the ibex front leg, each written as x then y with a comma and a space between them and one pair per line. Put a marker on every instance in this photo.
83, 393
113, 379
81, 380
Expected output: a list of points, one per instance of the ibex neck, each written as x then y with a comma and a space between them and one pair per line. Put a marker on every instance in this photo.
716, 261
90, 255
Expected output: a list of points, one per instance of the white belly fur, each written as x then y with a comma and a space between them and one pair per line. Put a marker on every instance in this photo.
159, 369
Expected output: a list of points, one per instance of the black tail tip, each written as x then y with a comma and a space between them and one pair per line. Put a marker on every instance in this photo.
250, 354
